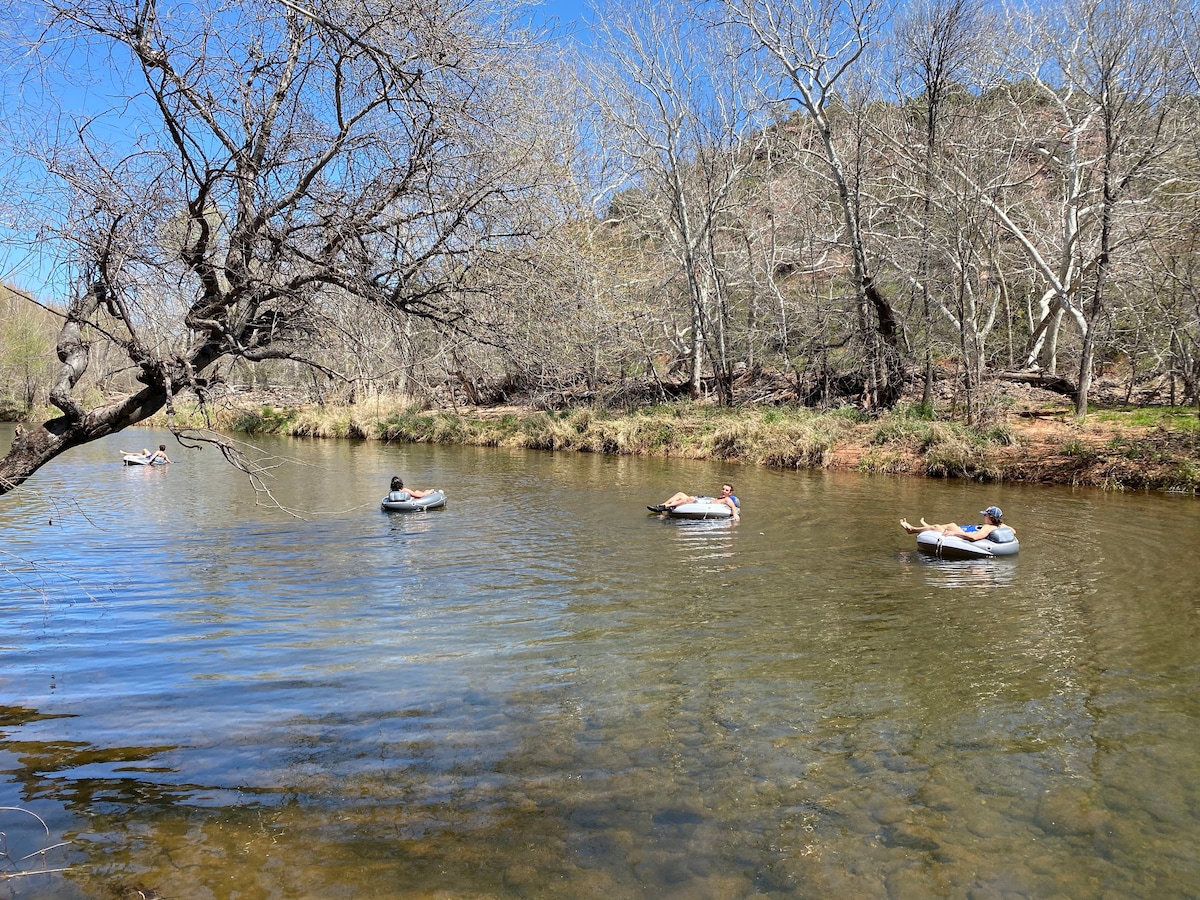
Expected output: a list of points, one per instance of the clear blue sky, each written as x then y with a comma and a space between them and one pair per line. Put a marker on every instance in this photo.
570, 14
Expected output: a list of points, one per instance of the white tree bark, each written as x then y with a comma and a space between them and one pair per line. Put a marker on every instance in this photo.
679, 109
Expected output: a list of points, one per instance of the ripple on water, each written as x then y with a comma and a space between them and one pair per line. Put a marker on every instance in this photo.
577, 699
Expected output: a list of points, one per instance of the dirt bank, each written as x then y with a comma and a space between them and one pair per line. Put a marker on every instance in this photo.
1115, 447
1058, 450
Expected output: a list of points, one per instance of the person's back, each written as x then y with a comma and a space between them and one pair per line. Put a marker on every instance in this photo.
399, 493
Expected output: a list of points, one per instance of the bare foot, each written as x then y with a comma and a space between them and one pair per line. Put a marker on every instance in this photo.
910, 529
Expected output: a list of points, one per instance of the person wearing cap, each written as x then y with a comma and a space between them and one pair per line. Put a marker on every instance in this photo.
993, 519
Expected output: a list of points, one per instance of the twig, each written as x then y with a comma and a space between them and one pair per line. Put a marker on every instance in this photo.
28, 813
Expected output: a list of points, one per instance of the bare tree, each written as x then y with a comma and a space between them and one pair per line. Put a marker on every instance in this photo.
936, 42
256, 163
679, 108
817, 44
1073, 136
1125, 66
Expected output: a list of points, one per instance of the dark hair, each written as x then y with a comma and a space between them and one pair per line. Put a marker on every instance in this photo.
162, 447
397, 483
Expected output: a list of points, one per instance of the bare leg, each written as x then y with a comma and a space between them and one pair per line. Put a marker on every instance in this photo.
678, 498
924, 526
949, 528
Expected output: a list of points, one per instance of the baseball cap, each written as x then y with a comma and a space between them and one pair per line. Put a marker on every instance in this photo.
993, 511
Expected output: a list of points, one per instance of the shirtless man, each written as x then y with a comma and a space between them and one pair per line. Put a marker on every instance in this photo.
679, 498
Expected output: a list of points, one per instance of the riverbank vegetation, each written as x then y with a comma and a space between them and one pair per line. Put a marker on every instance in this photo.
1034, 438
689, 231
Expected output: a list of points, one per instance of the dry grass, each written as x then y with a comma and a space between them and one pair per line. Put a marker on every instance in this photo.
904, 440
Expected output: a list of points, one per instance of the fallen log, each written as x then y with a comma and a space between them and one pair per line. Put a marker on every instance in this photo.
1055, 383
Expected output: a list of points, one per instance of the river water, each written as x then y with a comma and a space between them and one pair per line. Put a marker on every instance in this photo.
544, 691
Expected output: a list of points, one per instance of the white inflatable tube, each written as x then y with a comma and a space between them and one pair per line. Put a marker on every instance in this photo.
135, 459
700, 511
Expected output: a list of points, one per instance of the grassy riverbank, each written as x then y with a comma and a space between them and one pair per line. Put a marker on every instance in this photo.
1030, 441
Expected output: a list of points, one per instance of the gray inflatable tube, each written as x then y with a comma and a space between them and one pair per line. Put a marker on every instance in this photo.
956, 548
700, 511
403, 501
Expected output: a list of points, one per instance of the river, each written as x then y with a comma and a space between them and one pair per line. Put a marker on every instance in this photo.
210, 690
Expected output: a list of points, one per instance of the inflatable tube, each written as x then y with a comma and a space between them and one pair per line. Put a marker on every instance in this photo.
700, 511
948, 547
135, 459
402, 501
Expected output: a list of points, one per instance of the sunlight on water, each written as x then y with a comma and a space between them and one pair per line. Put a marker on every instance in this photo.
543, 691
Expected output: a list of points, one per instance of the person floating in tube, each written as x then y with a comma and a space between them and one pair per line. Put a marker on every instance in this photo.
993, 519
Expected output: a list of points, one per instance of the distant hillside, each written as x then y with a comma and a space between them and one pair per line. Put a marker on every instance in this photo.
27, 335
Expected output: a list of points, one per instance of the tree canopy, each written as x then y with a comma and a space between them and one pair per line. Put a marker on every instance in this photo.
268, 163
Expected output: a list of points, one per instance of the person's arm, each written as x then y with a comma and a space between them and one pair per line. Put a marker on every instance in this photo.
953, 529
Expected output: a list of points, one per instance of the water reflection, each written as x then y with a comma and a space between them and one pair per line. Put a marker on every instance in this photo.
960, 573
571, 699
707, 545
